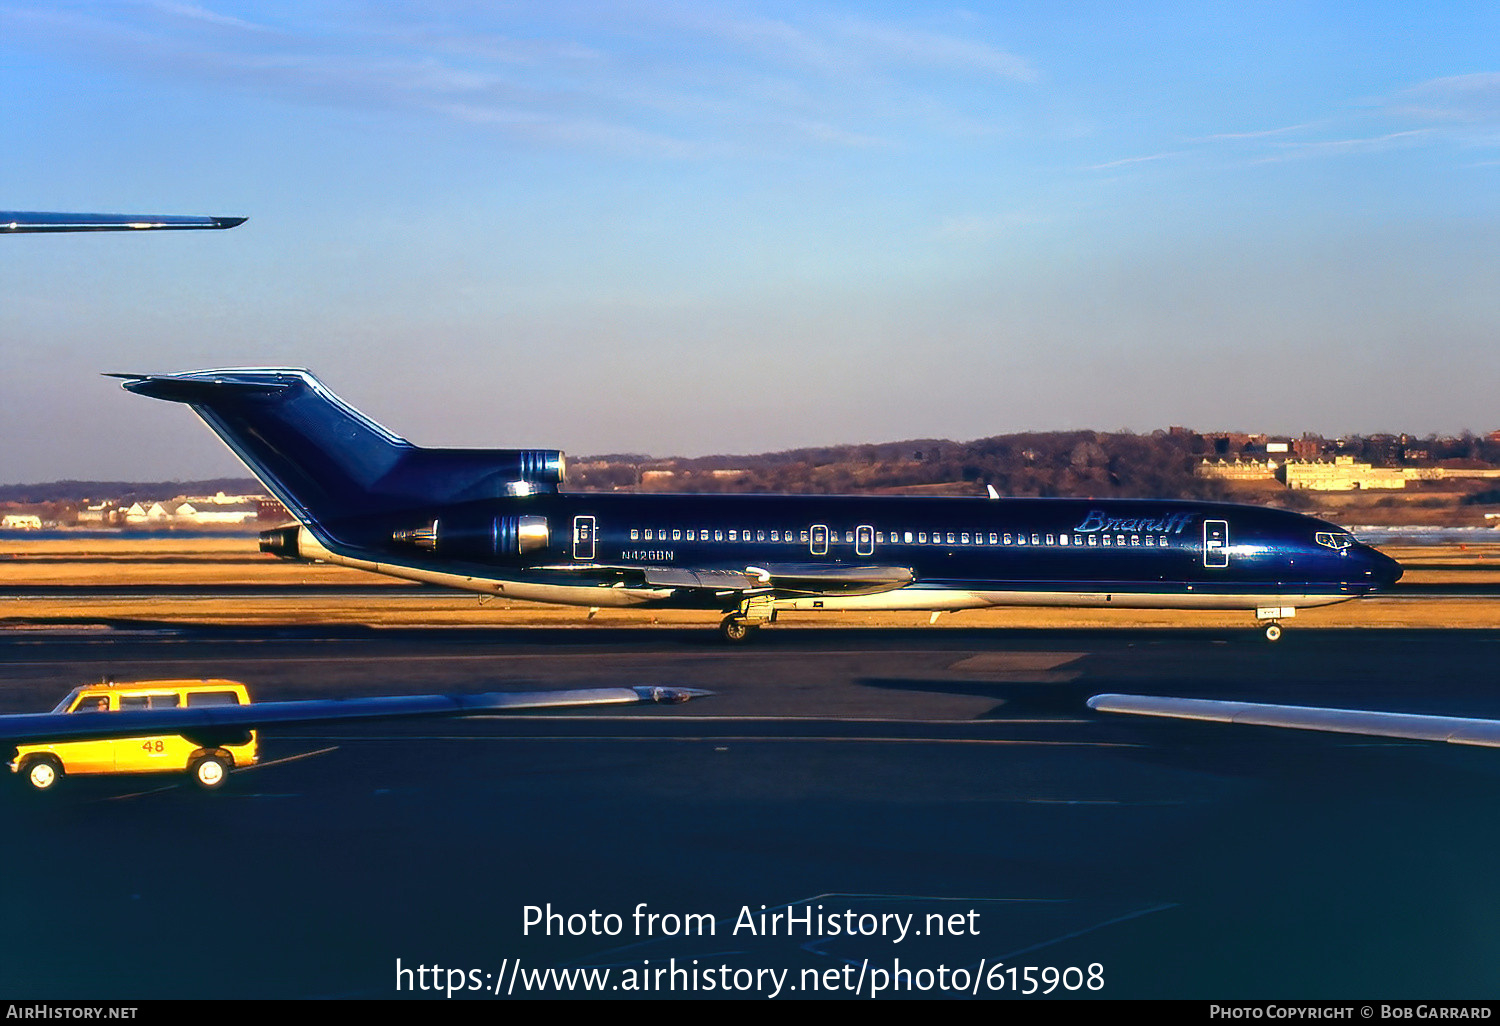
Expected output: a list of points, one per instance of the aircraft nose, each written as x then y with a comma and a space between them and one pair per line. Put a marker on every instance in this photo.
1384, 570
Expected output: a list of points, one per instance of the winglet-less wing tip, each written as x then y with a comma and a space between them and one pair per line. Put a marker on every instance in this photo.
25, 221
656, 693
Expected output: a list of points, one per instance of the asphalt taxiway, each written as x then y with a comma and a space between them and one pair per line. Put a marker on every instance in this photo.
873, 772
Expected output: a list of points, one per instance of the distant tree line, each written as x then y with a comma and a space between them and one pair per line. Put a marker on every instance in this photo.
1054, 463
125, 491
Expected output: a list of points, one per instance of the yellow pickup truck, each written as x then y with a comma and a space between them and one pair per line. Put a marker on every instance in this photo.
42, 765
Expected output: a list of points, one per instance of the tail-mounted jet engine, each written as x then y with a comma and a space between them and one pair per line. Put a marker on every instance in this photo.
463, 475
498, 536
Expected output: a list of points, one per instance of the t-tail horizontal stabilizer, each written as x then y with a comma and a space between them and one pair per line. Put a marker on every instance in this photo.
17, 222
327, 462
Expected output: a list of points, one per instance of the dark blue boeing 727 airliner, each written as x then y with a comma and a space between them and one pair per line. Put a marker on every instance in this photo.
494, 521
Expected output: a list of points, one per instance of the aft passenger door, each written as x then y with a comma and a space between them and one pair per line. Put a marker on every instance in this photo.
1215, 543
583, 537
818, 542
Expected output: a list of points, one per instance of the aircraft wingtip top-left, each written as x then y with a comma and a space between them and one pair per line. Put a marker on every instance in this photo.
16, 222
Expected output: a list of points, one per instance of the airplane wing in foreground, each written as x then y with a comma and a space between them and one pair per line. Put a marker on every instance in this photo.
217, 722
1457, 730
16, 222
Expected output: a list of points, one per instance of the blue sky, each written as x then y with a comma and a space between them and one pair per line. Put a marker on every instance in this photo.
730, 227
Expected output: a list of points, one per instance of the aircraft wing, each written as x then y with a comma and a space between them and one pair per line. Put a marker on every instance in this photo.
779, 579
217, 722
15, 222
1457, 730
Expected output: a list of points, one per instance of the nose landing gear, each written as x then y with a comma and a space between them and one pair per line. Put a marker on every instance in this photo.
1268, 617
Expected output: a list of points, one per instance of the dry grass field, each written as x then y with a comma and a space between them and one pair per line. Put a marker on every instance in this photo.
211, 561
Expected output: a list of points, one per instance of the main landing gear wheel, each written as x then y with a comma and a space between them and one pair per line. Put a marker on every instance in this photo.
1273, 632
44, 772
210, 772
736, 630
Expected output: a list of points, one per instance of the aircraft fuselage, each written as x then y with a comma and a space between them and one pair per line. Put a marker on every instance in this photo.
602, 549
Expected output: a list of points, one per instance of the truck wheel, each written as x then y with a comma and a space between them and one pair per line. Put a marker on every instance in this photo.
43, 772
209, 772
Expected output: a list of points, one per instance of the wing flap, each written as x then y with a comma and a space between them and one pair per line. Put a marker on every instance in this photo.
714, 580
1453, 729
835, 578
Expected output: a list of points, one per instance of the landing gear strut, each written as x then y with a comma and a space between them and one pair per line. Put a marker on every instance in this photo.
741, 625
1269, 617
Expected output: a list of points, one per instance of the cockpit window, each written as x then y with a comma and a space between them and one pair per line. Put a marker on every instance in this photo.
1337, 540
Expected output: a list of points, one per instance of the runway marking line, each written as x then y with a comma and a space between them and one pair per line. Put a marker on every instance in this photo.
716, 657
741, 738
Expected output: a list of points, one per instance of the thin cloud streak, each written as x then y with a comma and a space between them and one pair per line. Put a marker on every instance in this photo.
861, 71
1136, 160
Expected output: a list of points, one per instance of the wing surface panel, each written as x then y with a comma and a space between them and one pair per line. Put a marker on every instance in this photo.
1453, 729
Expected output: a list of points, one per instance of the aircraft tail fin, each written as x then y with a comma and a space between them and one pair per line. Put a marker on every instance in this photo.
326, 461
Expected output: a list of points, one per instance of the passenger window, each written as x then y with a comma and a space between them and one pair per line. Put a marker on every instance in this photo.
734, 536
1008, 539
963, 539
1135, 539
908, 537
1106, 539
921, 537
139, 702
676, 534
719, 535
1051, 539
635, 534
199, 699
776, 536
993, 539
648, 534
1093, 539
1062, 539
951, 540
